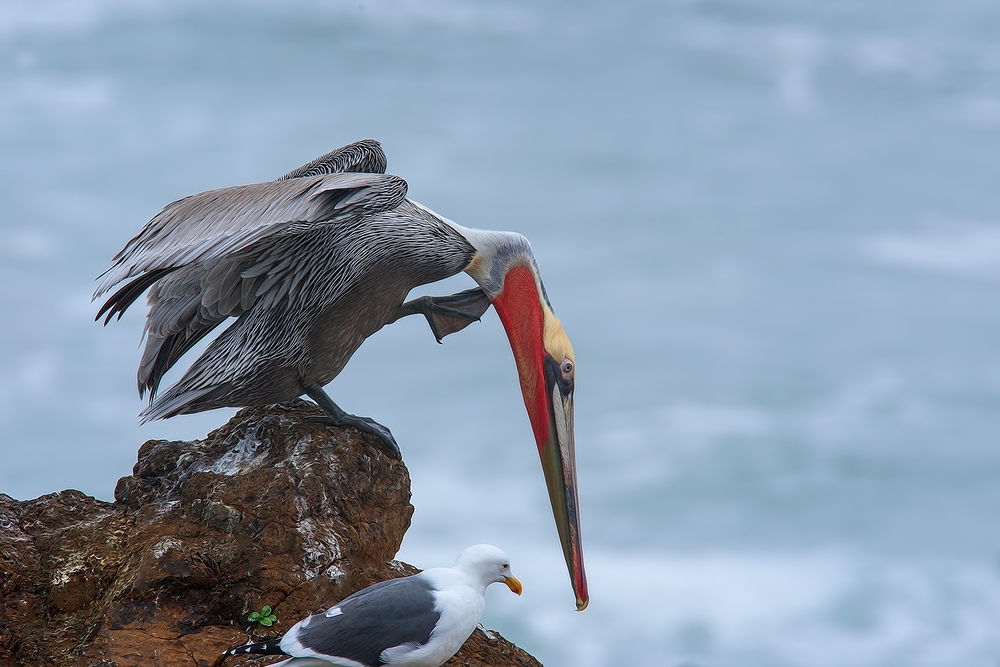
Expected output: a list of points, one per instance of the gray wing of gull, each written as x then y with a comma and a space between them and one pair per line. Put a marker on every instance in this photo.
214, 255
392, 613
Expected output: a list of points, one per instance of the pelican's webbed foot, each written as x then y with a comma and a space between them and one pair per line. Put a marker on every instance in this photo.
447, 314
335, 416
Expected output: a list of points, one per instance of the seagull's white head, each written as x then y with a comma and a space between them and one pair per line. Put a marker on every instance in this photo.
486, 564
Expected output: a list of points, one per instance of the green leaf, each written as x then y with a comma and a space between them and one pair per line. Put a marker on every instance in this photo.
254, 617
273, 618
265, 610
266, 621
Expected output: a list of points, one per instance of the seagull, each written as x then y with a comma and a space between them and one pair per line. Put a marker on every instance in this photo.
419, 621
310, 265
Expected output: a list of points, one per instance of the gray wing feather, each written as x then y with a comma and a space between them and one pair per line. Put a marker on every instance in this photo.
214, 255
218, 222
389, 614
364, 156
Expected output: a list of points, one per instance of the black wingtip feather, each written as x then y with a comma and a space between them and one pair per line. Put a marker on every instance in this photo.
119, 302
178, 346
272, 647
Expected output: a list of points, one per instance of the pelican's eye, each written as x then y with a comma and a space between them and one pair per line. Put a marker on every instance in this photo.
567, 367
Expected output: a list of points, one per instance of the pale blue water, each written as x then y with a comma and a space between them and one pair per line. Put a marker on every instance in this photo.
771, 229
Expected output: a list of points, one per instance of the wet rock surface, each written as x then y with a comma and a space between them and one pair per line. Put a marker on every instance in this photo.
270, 510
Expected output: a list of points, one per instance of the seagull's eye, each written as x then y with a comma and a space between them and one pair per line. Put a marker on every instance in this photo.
505, 566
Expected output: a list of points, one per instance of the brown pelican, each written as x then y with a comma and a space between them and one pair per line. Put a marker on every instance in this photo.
312, 264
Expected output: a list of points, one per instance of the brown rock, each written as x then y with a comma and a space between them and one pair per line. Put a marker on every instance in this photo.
270, 509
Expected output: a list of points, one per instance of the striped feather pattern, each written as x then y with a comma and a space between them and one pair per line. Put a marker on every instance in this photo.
309, 266
215, 223
362, 156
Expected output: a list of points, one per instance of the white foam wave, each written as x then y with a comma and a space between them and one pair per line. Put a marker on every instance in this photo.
59, 98
725, 608
62, 16
959, 248
59, 16
980, 111
26, 244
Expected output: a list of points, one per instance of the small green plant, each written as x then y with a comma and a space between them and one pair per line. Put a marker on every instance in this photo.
264, 617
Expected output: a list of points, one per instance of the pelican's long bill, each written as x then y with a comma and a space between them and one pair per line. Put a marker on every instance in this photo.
546, 368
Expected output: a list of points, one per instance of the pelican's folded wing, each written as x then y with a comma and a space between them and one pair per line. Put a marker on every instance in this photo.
364, 156
212, 256
218, 222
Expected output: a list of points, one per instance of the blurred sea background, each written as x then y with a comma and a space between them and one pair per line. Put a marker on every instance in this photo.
770, 228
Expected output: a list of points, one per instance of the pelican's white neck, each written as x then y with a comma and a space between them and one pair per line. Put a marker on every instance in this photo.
496, 254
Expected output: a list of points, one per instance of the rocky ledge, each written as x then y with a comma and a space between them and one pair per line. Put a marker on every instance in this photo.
270, 510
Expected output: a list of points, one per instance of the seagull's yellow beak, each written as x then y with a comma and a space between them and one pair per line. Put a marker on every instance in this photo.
513, 584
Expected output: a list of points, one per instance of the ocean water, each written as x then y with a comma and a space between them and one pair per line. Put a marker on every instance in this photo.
771, 229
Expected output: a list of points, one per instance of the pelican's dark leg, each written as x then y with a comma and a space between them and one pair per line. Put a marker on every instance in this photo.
337, 417
447, 314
